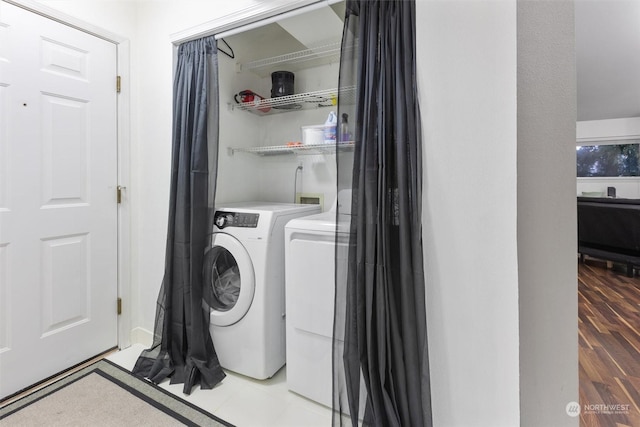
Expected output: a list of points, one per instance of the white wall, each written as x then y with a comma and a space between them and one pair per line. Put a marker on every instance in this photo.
467, 78
116, 16
589, 131
500, 262
547, 236
627, 187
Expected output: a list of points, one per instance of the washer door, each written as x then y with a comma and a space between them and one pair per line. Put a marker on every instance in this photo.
229, 271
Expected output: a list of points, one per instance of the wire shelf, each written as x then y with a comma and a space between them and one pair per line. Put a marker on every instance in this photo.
313, 57
295, 149
300, 101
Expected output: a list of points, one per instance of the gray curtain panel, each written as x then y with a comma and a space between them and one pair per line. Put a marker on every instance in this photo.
182, 347
381, 363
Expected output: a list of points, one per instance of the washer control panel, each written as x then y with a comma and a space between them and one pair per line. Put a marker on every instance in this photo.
224, 219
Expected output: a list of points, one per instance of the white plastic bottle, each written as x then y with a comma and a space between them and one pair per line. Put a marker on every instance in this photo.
330, 128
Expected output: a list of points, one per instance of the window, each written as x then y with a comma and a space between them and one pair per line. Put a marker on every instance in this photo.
608, 160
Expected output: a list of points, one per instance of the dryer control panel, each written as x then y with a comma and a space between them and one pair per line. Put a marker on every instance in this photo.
236, 219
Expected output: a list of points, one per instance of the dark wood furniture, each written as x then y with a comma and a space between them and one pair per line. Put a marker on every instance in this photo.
609, 229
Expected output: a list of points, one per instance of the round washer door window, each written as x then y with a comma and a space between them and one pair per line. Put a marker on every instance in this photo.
229, 271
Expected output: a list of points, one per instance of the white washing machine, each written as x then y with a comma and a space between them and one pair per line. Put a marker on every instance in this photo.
245, 267
310, 289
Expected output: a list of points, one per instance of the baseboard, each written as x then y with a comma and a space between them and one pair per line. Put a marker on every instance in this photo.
141, 336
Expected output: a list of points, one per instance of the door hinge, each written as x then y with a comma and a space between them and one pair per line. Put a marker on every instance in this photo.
118, 84
119, 194
119, 306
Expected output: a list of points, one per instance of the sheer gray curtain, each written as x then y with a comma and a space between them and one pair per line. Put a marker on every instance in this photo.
381, 363
182, 347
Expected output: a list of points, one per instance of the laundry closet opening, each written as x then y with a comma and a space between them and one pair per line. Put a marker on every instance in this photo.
278, 142
275, 97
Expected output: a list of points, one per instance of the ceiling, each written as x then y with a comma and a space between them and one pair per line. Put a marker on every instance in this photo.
317, 27
608, 58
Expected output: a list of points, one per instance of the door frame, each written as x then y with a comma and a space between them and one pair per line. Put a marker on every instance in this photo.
123, 146
257, 14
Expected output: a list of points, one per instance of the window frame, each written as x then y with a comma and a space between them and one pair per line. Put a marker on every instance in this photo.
625, 140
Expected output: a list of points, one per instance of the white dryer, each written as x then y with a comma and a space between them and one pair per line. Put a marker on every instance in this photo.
310, 257
245, 267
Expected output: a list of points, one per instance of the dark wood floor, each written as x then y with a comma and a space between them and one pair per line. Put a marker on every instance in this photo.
609, 346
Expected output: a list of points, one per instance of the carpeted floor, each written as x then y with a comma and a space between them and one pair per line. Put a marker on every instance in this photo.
104, 394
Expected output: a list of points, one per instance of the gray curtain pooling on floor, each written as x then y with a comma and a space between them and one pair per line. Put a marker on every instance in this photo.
182, 348
381, 363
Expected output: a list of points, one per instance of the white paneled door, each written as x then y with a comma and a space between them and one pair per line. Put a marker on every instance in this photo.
58, 207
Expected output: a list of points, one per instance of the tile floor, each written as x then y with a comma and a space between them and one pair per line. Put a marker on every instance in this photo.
243, 401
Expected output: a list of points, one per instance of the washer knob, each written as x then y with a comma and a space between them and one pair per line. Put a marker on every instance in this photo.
221, 221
